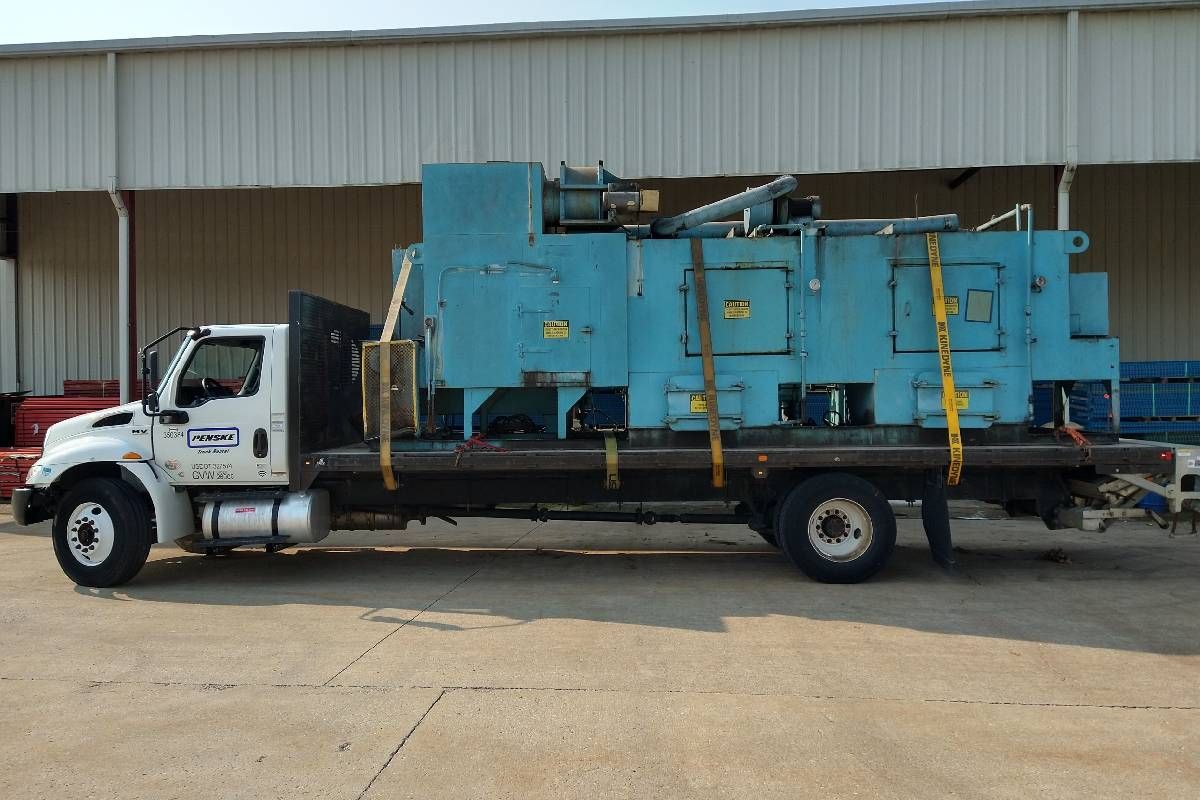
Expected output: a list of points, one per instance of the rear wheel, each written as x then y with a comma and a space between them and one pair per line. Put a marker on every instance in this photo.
102, 532
837, 528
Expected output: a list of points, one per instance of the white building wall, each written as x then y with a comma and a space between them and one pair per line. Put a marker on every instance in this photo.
1140, 86
958, 92
940, 92
54, 123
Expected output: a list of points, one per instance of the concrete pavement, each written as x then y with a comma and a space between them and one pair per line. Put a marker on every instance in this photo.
508, 659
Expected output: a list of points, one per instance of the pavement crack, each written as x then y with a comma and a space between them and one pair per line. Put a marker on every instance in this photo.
432, 603
403, 742
210, 686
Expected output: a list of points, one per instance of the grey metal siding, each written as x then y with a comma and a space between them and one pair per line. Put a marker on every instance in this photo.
67, 289
1140, 86
950, 91
8, 325
968, 91
53, 124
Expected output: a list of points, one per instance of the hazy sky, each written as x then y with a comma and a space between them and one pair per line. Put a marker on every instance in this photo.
67, 20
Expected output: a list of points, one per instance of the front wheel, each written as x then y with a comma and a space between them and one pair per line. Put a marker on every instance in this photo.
102, 533
837, 528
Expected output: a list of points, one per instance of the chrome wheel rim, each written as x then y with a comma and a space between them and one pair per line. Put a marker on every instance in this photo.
90, 534
840, 530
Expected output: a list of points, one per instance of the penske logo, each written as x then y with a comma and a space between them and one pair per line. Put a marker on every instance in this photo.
212, 437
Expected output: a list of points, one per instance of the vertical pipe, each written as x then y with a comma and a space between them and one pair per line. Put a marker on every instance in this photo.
131, 338
124, 362
1070, 121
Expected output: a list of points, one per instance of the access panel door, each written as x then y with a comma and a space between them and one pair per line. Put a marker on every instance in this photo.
554, 346
972, 307
748, 310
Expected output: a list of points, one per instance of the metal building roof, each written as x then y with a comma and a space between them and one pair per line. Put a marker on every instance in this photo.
815, 16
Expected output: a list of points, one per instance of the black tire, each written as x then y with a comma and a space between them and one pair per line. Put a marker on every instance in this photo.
769, 537
123, 517
863, 514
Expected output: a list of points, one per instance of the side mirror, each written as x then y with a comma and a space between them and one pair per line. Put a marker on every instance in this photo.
152, 402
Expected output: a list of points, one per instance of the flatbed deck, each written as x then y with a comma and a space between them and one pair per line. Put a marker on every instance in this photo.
444, 456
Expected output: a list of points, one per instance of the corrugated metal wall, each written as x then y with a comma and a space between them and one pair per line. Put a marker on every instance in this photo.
8, 325
1139, 86
938, 93
67, 285
231, 255
1142, 223
808, 99
54, 124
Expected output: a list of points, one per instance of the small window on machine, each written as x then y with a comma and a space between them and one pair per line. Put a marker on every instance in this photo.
221, 368
979, 305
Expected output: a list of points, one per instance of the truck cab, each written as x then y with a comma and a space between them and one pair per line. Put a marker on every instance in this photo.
217, 418
219, 414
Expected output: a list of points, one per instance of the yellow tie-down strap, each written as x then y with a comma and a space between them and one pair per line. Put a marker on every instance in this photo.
949, 401
612, 478
385, 374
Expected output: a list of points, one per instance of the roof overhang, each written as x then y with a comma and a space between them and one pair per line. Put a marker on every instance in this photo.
509, 30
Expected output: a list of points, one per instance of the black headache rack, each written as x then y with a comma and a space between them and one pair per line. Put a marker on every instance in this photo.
324, 386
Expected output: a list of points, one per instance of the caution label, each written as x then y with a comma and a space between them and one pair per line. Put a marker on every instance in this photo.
951, 305
737, 309
556, 329
697, 403
962, 398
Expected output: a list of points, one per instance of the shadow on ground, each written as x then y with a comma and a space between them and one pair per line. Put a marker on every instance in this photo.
1117, 592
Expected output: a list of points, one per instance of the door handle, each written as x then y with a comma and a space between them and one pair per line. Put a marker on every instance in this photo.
260, 443
173, 417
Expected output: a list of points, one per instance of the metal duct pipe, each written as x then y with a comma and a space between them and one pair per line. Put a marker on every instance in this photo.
668, 226
709, 230
868, 227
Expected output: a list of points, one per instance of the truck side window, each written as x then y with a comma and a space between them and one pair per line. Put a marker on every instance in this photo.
220, 368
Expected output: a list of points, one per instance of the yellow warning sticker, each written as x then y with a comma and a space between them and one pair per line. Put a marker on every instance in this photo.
697, 403
556, 329
951, 305
962, 398
737, 309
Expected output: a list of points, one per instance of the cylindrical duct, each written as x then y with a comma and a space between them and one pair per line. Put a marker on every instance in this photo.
669, 226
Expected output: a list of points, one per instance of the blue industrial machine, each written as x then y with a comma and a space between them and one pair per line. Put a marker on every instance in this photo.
528, 294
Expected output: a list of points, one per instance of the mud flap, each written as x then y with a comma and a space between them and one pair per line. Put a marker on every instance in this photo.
935, 515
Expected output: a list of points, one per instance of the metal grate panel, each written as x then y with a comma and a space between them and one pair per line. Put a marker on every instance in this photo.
401, 360
323, 393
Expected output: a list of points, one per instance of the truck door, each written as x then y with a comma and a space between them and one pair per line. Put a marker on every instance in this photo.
216, 413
